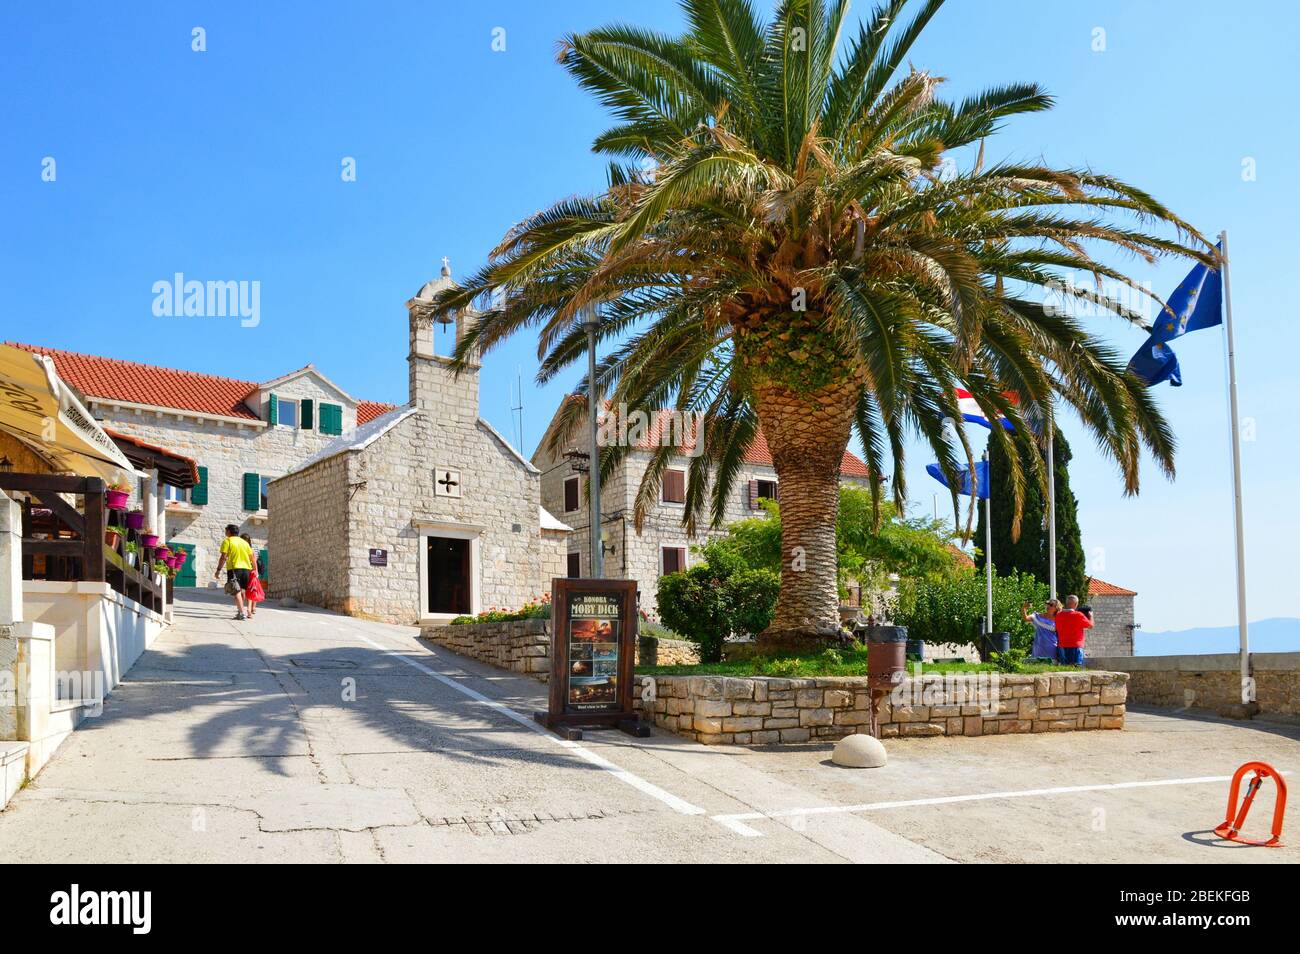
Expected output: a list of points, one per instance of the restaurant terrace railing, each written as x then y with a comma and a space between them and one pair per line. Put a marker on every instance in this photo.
68, 540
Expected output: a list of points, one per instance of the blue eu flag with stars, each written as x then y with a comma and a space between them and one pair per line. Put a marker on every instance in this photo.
1195, 304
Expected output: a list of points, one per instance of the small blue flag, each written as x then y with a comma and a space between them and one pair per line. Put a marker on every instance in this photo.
963, 473
1195, 304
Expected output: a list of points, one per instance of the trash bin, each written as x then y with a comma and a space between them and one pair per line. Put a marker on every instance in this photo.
886, 656
994, 643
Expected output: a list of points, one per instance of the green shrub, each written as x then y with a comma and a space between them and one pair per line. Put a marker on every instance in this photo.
948, 611
717, 598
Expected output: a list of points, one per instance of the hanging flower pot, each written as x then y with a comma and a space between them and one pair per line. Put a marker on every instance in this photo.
135, 520
117, 499
148, 539
162, 552
178, 559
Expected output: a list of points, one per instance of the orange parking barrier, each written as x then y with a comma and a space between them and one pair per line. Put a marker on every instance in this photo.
1231, 827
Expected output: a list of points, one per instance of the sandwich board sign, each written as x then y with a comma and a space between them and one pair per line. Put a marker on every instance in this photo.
593, 652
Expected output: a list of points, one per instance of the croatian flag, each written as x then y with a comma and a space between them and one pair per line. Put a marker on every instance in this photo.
971, 411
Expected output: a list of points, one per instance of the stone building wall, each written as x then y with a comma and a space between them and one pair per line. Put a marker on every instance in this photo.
309, 532
763, 710
395, 500
228, 451
1112, 629
1211, 682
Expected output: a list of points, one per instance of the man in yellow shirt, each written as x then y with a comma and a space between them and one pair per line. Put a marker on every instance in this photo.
237, 558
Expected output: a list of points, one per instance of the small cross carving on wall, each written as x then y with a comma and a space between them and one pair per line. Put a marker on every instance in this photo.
446, 483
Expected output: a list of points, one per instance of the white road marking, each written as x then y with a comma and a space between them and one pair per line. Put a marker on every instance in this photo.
737, 821
649, 788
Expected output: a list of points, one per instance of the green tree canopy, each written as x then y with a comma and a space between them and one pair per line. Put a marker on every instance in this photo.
795, 235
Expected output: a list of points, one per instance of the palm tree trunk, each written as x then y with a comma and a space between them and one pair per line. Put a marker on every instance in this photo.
807, 434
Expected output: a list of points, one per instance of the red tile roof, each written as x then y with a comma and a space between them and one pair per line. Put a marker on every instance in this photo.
115, 380
1098, 587
757, 452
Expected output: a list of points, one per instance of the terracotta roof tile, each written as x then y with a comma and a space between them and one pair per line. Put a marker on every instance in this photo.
113, 379
1098, 587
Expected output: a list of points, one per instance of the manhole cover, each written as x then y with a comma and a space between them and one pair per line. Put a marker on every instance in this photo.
323, 663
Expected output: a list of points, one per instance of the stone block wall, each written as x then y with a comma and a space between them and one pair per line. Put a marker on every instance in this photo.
1211, 682
525, 645
520, 645
309, 535
765, 710
1112, 626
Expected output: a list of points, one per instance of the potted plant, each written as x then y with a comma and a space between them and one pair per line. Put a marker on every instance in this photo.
112, 534
118, 494
148, 539
178, 558
162, 551
135, 520
132, 551
161, 568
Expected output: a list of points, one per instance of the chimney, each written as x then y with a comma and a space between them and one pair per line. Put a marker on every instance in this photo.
434, 386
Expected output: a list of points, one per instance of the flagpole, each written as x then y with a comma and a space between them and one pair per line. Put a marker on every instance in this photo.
1247, 686
988, 539
1051, 510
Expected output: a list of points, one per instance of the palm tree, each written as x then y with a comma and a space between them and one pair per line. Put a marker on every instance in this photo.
787, 241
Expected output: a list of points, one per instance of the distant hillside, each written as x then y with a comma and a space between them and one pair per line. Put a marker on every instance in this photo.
1266, 636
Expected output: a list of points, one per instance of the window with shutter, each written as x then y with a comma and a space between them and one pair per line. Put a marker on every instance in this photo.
273, 410
252, 492
674, 559
674, 487
331, 418
308, 420
767, 489
753, 495
199, 492
570, 494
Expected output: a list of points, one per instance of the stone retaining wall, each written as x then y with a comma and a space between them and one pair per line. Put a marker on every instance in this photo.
1211, 681
525, 645
763, 710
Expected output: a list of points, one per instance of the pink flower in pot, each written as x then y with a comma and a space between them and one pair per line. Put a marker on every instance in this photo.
117, 499
148, 539
135, 520
162, 552
178, 560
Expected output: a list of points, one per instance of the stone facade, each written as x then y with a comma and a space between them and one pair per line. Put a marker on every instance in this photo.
1211, 682
432, 469
762, 710
228, 448
1112, 626
637, 555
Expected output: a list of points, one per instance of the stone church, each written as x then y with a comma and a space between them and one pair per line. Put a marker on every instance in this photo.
422, 514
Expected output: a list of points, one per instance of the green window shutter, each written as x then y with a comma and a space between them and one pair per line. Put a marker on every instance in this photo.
331, 418
305, 415
273, 411
252, 491
199, 492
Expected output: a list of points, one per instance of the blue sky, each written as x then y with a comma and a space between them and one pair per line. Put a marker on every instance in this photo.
225, 164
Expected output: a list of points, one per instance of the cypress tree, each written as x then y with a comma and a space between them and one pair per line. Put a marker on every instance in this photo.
1029, 553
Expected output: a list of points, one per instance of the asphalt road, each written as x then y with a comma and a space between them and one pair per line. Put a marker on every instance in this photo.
310, 737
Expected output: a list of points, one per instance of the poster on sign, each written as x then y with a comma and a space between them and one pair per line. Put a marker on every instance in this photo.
593, 640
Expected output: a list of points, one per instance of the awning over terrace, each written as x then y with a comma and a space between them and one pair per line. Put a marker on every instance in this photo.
43, 412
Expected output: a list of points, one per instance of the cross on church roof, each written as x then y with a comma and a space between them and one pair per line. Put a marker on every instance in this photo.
446, 266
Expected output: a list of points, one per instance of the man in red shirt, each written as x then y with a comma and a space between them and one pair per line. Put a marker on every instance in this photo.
1071, 623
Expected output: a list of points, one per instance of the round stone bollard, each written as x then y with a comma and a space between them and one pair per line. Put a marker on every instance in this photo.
859, 751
